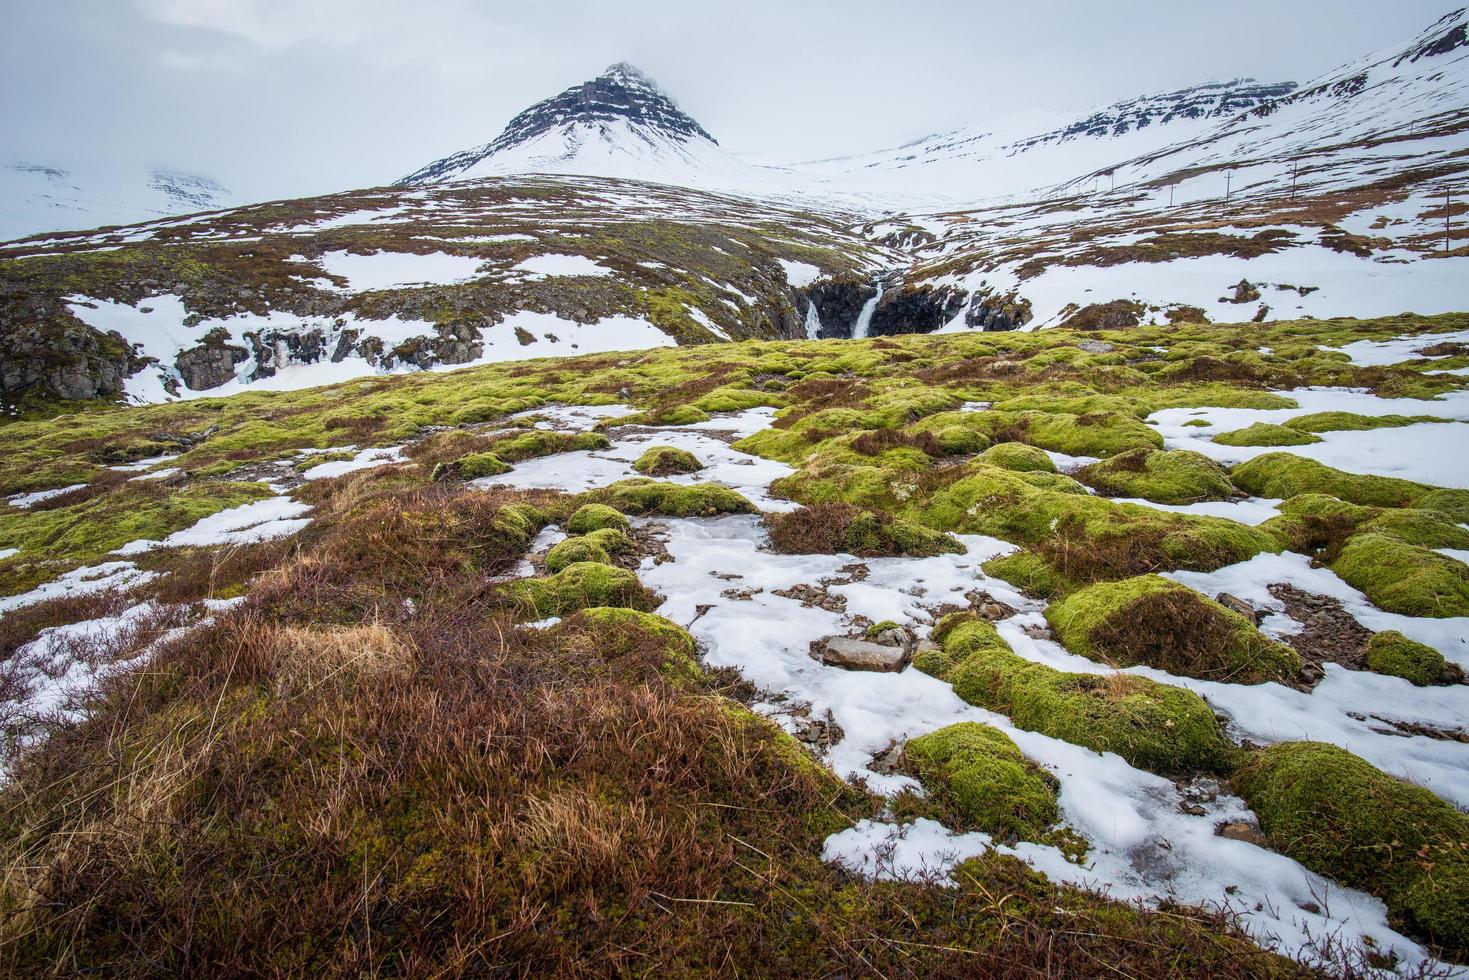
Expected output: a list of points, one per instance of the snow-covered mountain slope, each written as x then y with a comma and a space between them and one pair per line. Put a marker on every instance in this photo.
1030, 150
37, 198
299, 293
619, 124
1328, 201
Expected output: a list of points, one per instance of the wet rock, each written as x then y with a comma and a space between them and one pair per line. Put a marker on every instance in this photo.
888, 761
908, 310
1192, 809
1245, 831
854, 654
819, 733
811, 595
898, 636
1238, 605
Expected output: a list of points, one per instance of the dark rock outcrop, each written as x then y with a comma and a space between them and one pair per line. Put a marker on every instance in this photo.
838, 303
211, 363
906, 309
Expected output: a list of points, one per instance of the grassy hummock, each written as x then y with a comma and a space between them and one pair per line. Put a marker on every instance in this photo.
1404, 578
1352, 422
1266, 434
842, 528
637, 643
1340, 816
1179, 476
579, 586
594, 546
596, 517
1283, 475
1153, 726
666, 461
1019, 457
977, 772
1390, 652
1156, 622
641, 496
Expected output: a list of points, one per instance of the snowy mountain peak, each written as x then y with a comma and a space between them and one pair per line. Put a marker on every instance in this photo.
619, 114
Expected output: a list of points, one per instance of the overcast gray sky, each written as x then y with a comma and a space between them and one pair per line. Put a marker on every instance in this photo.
278, 98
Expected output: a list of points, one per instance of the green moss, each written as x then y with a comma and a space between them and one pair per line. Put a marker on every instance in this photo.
1282, 475
976, 771
1390, 652
958, 440
1019, 457
476, 466
1159, 623
1153, 726
1351, 421
1404, 578
517, 449
1265, 434
644, 496
596, 517
1341, 817
978, 634
1176, 477
870, 534
1028, 572
579, 586
595, 546
667, 460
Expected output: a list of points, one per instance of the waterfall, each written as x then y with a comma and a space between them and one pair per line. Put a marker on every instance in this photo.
864, 319
813, 322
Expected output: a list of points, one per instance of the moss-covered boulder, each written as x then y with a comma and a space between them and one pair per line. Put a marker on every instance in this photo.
476, 466
977, 772
1404, 578
1265, 434
1157, 622
1283, 475
1176, 477
579, 586
641, 495
1340, 816
1153, 726
960, 440
1390, 652
1019, 457
1352, 422
595, 517
841, 528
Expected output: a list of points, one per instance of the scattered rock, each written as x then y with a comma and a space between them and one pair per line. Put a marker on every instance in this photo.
812, 595
1096, 347
742, 595
819, 733
854, 654
988, 606
898, 636
1242, 830
889, 760
1235, 603
1329, 633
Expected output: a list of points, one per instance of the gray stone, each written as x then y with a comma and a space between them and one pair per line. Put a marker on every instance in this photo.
1247, 832
854, 654
1236, 604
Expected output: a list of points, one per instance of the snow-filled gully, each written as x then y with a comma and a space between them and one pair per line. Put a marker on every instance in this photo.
721, 585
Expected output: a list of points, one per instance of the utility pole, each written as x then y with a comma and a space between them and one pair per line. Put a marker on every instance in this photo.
1294, 169
1170, 193
1228, 175
1447, 199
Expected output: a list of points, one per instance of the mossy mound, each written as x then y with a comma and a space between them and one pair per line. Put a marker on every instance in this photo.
977, 772
841, 528
1390, 652
633, 641
579, 586
1283, 475
476, 466
1265, 434
528, 445
666, 461
641, 495
1028, 572
1404, 578
594, 546
595, 517
1153, 726
1352, 422
1019, 457
959, 440
1340, 816
939, 661
1156, 622
1179, 476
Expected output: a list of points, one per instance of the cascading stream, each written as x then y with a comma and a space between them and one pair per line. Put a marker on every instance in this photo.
813, 322
864, 319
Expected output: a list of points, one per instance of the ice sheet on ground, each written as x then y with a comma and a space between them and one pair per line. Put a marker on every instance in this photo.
260, 520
